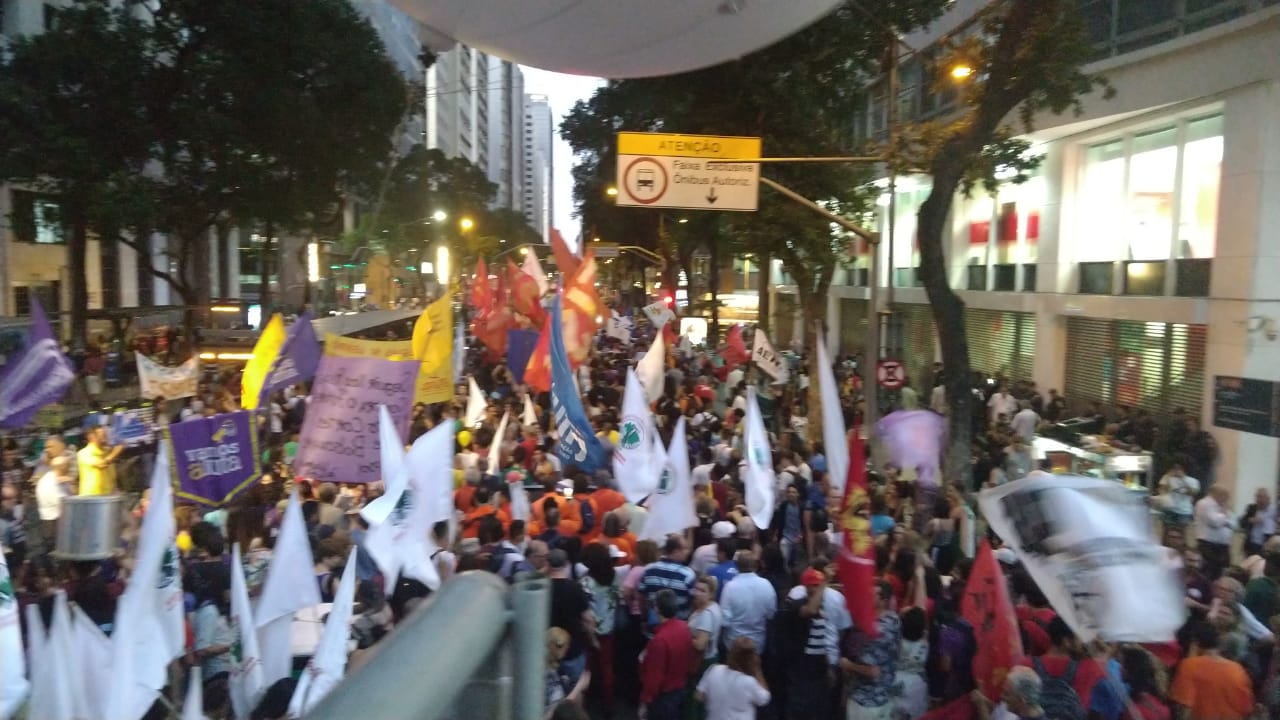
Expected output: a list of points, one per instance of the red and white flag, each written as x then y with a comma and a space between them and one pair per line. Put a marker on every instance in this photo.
856, 559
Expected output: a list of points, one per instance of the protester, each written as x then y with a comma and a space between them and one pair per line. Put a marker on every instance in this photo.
734, 690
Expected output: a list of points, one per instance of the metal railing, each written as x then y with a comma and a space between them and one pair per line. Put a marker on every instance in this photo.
477, 649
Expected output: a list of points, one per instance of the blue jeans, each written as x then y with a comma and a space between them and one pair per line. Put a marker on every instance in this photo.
667, 706
573, 668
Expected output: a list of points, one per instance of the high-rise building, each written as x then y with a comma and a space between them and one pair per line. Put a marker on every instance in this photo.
539, 168
457, 101
506, 134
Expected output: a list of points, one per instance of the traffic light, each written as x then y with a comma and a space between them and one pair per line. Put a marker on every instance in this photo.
668, 298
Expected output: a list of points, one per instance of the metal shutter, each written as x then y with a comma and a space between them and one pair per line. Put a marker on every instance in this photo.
1089, 363
919, 342
1001, 343
852, 333
1185, 380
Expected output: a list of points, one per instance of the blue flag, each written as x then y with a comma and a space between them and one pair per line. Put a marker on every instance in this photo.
578, 444
520, 346
37, 375
298, 359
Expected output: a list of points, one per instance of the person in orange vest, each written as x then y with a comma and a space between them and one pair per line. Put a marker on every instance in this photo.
481, 507
568, 520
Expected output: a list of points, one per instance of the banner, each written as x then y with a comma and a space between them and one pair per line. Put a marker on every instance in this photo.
856, 558
37, 375
533, 269
1088, 544
634, 454
214, 458
578, 444
658, 313
430, 387
297, 361
132, 427
169, 383
619, 328
913, 441
735, 350
767, 359
434, 346
986, 606
671, 508
520, 346
834, 437
651, 371
339, 439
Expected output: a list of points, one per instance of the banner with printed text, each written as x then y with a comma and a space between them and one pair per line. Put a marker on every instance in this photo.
170, 383
429, 387
214, 458
339, 439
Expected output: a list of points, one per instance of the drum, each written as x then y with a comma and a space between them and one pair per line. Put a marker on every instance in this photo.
89, 527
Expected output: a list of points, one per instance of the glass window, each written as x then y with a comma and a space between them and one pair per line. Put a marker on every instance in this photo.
1201, 176
1102, 202
1153, 170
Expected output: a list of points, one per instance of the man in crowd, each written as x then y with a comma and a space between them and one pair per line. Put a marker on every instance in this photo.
98, 463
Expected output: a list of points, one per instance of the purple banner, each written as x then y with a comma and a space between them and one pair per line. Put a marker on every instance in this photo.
913, 439
37, 375
299, 357
339, 441
214, 458
520, 345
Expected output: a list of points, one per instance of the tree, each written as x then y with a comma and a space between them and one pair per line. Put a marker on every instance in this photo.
798, 95
1028, 57
181, 116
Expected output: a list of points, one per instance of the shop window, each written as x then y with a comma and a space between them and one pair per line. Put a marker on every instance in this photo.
1096, 278
1152, 173
1029, 277
1192, 279
1144, 278
1201, 178
977, 277
37, 218
1004, 277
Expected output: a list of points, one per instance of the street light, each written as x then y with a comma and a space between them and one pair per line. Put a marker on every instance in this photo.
961, 72
524, 249
439, 216
611, 191
466, 224
442, 264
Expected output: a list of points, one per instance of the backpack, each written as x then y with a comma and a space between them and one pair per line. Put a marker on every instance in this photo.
587, 511
1057, 696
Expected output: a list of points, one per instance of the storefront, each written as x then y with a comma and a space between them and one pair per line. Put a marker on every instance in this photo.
1158, 367
1001, 343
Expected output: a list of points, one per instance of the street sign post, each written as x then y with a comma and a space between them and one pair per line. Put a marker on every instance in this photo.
890, 374
662, 170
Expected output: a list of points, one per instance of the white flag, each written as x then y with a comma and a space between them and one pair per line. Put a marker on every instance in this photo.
530, 416
834, 438
13, 674
149, 627
395, 476
496, 448
634, 464
1088, 545
759, 477
521, 509
476, 404
246, 675
329, 662
671, 506
533, 269
94, 648
459, 353
652, 369
420, 495
659, 314
193, 707
56, 686
290, 586
767, 359
619, 327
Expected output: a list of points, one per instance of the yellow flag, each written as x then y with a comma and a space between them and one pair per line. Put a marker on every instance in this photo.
421, 332
437, 347
265, 353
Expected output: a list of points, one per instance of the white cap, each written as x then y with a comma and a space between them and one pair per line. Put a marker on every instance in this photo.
723, 529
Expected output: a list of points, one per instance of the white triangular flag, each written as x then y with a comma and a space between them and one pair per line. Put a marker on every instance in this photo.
55, 682
329, 661
149, 627
671, 506
395, 476
766, 358
834, 439
477, 403
533, 269
659, 314
459, 353
652, 369
68, 660
193, 706
686, 347
246, 673
496, 448
619, 327
290, 586
634, 464
521, 508
14, 686
94, 648
530, 416
759, 477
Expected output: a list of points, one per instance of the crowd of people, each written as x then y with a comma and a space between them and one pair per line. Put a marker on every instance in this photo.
727, 620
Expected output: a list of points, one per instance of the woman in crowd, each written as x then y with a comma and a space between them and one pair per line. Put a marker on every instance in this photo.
735, 690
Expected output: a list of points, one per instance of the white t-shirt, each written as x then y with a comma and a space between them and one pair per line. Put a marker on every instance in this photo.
49, 494
1002, 404
730, 694
1025, 423
277, 418
701, 474
708, 620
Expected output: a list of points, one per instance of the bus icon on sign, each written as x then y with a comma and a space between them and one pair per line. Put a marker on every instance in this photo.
644, 180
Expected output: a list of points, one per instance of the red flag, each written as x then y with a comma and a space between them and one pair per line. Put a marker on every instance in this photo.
481, 293
537, 374
566, 261
579, 312
735, 351
491, 328
856, 559
959, 709
525, 297
987, 608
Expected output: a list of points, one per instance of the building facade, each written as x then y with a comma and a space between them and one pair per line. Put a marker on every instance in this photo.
1139, 263
506, 133
539, 169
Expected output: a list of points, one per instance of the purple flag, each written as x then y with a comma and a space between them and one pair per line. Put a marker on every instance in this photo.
339, 440
38, 375
214, 458
520, 345
913, 439
298, 359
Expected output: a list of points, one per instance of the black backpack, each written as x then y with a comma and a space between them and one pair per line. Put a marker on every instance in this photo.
1058, 697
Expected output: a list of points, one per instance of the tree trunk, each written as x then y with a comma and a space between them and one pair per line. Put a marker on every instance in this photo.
948, 316
76, 250
763, 285
268, 254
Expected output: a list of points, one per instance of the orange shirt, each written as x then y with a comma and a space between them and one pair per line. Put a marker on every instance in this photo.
471, 522
606, 500
570, 516
1212, 688
626, 542
462, 497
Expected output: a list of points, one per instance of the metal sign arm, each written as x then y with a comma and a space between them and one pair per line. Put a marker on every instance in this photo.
845, 223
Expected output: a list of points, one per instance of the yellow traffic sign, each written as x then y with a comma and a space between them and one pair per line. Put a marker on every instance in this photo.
694, 146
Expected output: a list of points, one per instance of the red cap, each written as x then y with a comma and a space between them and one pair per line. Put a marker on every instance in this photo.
812, 578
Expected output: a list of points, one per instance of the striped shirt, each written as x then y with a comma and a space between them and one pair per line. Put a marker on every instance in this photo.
668, 575
816, 643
